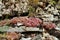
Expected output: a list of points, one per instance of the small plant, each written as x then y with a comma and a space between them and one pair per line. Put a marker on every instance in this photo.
33, 2
53, 2
31, 11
